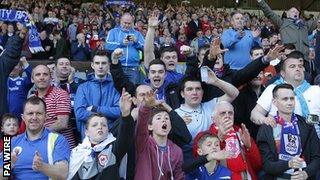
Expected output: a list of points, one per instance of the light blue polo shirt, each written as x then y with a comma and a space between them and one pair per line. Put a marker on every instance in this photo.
23, 167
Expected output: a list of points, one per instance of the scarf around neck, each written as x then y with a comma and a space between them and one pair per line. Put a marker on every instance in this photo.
83, 153
299, 94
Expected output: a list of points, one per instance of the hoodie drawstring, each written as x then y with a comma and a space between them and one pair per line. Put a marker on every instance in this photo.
160, 162
170, 163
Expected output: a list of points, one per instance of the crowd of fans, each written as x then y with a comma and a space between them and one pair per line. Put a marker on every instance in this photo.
243, 104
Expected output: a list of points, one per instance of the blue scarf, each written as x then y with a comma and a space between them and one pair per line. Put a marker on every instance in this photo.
299, 93
22, 17
290, 142
298, 22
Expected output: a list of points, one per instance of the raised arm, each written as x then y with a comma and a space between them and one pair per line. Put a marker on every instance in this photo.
119, 78
268, 12
148, 46
126, 128
230, 91
11, 55
142, 132
252, 70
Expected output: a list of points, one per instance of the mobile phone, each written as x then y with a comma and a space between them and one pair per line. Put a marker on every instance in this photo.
312, 119
204, 74
128, 37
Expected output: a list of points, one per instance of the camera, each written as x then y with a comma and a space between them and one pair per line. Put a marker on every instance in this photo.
128, 37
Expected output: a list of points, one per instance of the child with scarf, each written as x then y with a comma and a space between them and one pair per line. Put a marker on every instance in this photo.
157, 156
290, 150
246, 160
100, 154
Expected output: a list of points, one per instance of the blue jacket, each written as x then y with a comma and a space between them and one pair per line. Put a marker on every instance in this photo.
130, 52
238, 55
104, 98
18, 89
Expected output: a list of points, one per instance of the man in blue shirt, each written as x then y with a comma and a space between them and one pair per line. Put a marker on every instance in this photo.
38, 153
239, 41
130, 41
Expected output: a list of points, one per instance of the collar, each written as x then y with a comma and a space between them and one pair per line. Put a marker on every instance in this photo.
44, 134
185, 108
47, 93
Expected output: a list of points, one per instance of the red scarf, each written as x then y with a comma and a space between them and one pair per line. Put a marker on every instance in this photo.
237, 165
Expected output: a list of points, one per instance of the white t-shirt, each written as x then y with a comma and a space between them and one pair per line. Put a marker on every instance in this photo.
311, 95
201, 117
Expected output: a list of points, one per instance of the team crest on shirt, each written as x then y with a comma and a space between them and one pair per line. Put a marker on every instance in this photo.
291, 143
232, 145
18, 83
17, 150
103, 159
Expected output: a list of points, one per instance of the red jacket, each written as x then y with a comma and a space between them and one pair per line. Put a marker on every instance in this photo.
250, 160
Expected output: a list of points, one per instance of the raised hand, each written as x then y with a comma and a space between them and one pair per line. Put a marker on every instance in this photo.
115, 56
186, 50
154, 19
224, 128
275, 52
125, 103
187, 119
245, 136
150, 100
37, 163
14, 156
215, 49
212, 77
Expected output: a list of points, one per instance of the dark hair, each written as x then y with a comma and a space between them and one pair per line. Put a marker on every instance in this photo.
101, 53
281, 86
187, 79
255, 48
289, 46
234, 13
292, 55
100, 115
34, 100
7, 116
296, 54
62, 57
154, 112
157, 61
167, 49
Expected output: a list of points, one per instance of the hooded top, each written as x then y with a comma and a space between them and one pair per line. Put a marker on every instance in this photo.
153, 161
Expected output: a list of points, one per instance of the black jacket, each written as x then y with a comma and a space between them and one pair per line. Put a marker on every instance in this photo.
310, 150
9, 58
234, 77
243, 105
